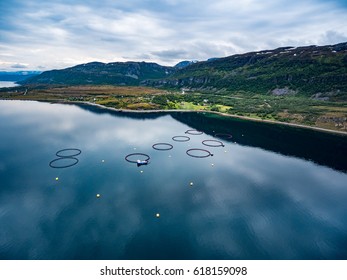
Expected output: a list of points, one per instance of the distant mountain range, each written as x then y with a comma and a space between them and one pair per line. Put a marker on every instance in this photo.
185, 63
318, 70
97, 73
18, 75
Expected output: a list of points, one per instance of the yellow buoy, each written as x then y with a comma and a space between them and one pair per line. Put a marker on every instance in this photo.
157, 215
56, 178
98, 195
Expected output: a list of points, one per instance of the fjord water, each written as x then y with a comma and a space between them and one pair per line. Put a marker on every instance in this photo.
4, 84
277, 193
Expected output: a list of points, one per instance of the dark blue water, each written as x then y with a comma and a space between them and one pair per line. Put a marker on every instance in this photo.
277, 193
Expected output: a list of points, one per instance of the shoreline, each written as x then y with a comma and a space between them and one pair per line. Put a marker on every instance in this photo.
218, 113
319, 129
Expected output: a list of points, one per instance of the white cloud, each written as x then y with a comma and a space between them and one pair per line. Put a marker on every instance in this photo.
58, 34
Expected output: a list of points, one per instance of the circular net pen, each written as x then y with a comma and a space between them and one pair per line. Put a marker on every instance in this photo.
223, 135
199, 153
133, 158
66, 158
162, 146
193, 132
213, 143
64, 153
55, 163
181, 138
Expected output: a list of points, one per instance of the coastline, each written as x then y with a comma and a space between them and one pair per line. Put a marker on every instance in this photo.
319, 129
218, 113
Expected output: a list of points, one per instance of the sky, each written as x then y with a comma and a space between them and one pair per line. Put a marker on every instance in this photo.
55, 34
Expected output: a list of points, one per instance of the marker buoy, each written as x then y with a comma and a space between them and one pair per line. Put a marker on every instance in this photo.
157, 215
56, 178
98, 195
191, 184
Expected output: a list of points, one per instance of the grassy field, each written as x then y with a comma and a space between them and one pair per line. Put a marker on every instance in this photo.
290, 108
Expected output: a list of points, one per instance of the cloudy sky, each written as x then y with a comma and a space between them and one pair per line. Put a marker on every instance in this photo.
54, 34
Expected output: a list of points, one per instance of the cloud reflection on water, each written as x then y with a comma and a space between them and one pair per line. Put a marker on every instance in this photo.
251, 204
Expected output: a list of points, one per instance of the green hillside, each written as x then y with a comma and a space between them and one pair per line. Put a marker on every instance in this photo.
319, 72
304, 85
312, 70
97, 73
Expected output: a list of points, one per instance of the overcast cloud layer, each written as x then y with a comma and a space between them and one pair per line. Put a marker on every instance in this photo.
42, 35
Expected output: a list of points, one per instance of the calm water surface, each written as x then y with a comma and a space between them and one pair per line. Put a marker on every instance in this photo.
4, 84
277, 193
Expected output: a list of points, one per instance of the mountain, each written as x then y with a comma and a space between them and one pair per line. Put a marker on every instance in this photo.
97, 73
315, 71
185, 63
18, 75
311, 70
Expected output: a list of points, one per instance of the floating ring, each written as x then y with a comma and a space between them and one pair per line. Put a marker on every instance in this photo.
188, 152
223, 135
181, 138
193, 132
219, 143
78, 152
136, 154
51, 164
168, 146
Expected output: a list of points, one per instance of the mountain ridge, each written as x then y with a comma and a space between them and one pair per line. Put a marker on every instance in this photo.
17, 75
286, 70
318, 71
99, 73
